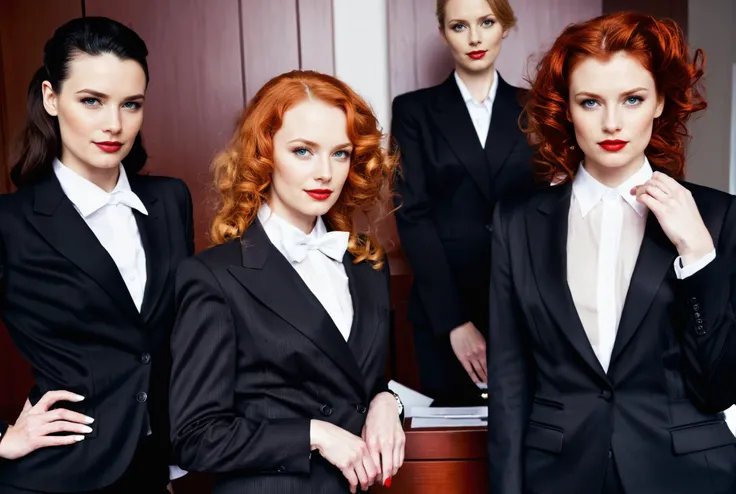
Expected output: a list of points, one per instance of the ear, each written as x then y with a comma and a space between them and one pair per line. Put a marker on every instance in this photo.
50, 100
504, 34
567, 114
660, 107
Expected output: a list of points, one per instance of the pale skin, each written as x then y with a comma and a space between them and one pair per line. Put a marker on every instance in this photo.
616, 99
470, 25
312, 151
101, 100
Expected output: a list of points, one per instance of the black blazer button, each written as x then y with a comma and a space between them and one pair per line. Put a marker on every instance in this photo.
360, 408
699, 330
606, 395
145, 358
489, 227
326, 410
696, 307
282, 469
693, 300
141, 397
697, 315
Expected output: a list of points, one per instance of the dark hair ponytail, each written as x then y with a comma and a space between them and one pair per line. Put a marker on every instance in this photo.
40, 141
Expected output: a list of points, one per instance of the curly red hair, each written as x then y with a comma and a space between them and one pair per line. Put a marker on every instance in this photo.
243, 170
660, 47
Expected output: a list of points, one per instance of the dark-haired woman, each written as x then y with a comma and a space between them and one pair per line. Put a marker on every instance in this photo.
87, 250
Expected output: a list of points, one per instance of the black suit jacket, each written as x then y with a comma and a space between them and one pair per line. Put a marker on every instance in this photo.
71, 316
447, 189
256, 357
554, 414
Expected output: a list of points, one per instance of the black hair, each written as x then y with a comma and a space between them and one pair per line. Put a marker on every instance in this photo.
40, 141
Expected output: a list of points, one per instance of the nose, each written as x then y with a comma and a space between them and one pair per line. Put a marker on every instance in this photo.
611, 119
474, 36
323, 168
113, 124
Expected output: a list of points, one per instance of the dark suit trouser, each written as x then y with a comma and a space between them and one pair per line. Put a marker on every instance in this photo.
442, 376
145, 475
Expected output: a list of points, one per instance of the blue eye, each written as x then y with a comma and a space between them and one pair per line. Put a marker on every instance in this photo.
634, 100
457, 27
588, 103
488, 23
131, 105
91, 101
343, 155
301, 152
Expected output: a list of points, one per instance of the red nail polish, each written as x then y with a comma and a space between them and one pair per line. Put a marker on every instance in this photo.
388, 482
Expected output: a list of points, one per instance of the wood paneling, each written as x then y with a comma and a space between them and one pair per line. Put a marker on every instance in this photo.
270, 41
671, 9
23, 33
316, 47
196, 88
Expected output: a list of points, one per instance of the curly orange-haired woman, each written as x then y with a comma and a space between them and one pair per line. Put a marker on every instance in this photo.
611, 289
281, 340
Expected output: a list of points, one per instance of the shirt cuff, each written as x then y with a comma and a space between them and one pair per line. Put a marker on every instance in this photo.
683, 272
176, 473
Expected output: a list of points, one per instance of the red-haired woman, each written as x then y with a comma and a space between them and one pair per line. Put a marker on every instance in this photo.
610, 290
281, 340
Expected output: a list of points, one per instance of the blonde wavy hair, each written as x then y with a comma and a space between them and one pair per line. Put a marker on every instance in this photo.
243, 170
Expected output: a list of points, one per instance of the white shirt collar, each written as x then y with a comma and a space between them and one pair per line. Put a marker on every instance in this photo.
468, 98
588, 191
275, 224
88, 197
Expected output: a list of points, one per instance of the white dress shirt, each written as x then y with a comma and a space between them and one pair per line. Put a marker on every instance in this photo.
317, 258
480, 111
110, 217
601, 260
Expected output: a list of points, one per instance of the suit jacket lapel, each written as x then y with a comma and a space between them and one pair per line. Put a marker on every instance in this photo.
656, 257
55, 218
154, 232
547, 234
270, 278
452, 118
362, 285
504, 129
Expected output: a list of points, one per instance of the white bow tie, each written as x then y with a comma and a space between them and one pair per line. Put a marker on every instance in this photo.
297, 245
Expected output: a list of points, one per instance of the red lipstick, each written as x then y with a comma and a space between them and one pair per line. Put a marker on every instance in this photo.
319, 194
613, 145
109, 146
477, 55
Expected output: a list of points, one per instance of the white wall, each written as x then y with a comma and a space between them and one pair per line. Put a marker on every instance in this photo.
361, 51
711, 27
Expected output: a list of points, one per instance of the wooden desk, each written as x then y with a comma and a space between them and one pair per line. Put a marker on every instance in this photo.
442, 461
437, 461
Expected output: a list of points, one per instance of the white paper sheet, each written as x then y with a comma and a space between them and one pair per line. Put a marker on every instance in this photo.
409, 397
453, 413
424, 423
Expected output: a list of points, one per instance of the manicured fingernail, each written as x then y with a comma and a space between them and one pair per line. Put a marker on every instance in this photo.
79, 397
86, 429
79, 438
89, 420
387, 483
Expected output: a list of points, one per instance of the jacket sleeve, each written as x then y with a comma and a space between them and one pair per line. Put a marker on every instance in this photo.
419, 238
509, 372
707, 300
207, 435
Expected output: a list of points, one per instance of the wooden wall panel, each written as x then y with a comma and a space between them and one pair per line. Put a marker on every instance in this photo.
23, 33
270, 41
316, 47
196, 88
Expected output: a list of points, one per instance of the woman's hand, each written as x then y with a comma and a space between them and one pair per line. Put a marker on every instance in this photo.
678, 215
35, 423
469, 346
346, 451
384, 435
